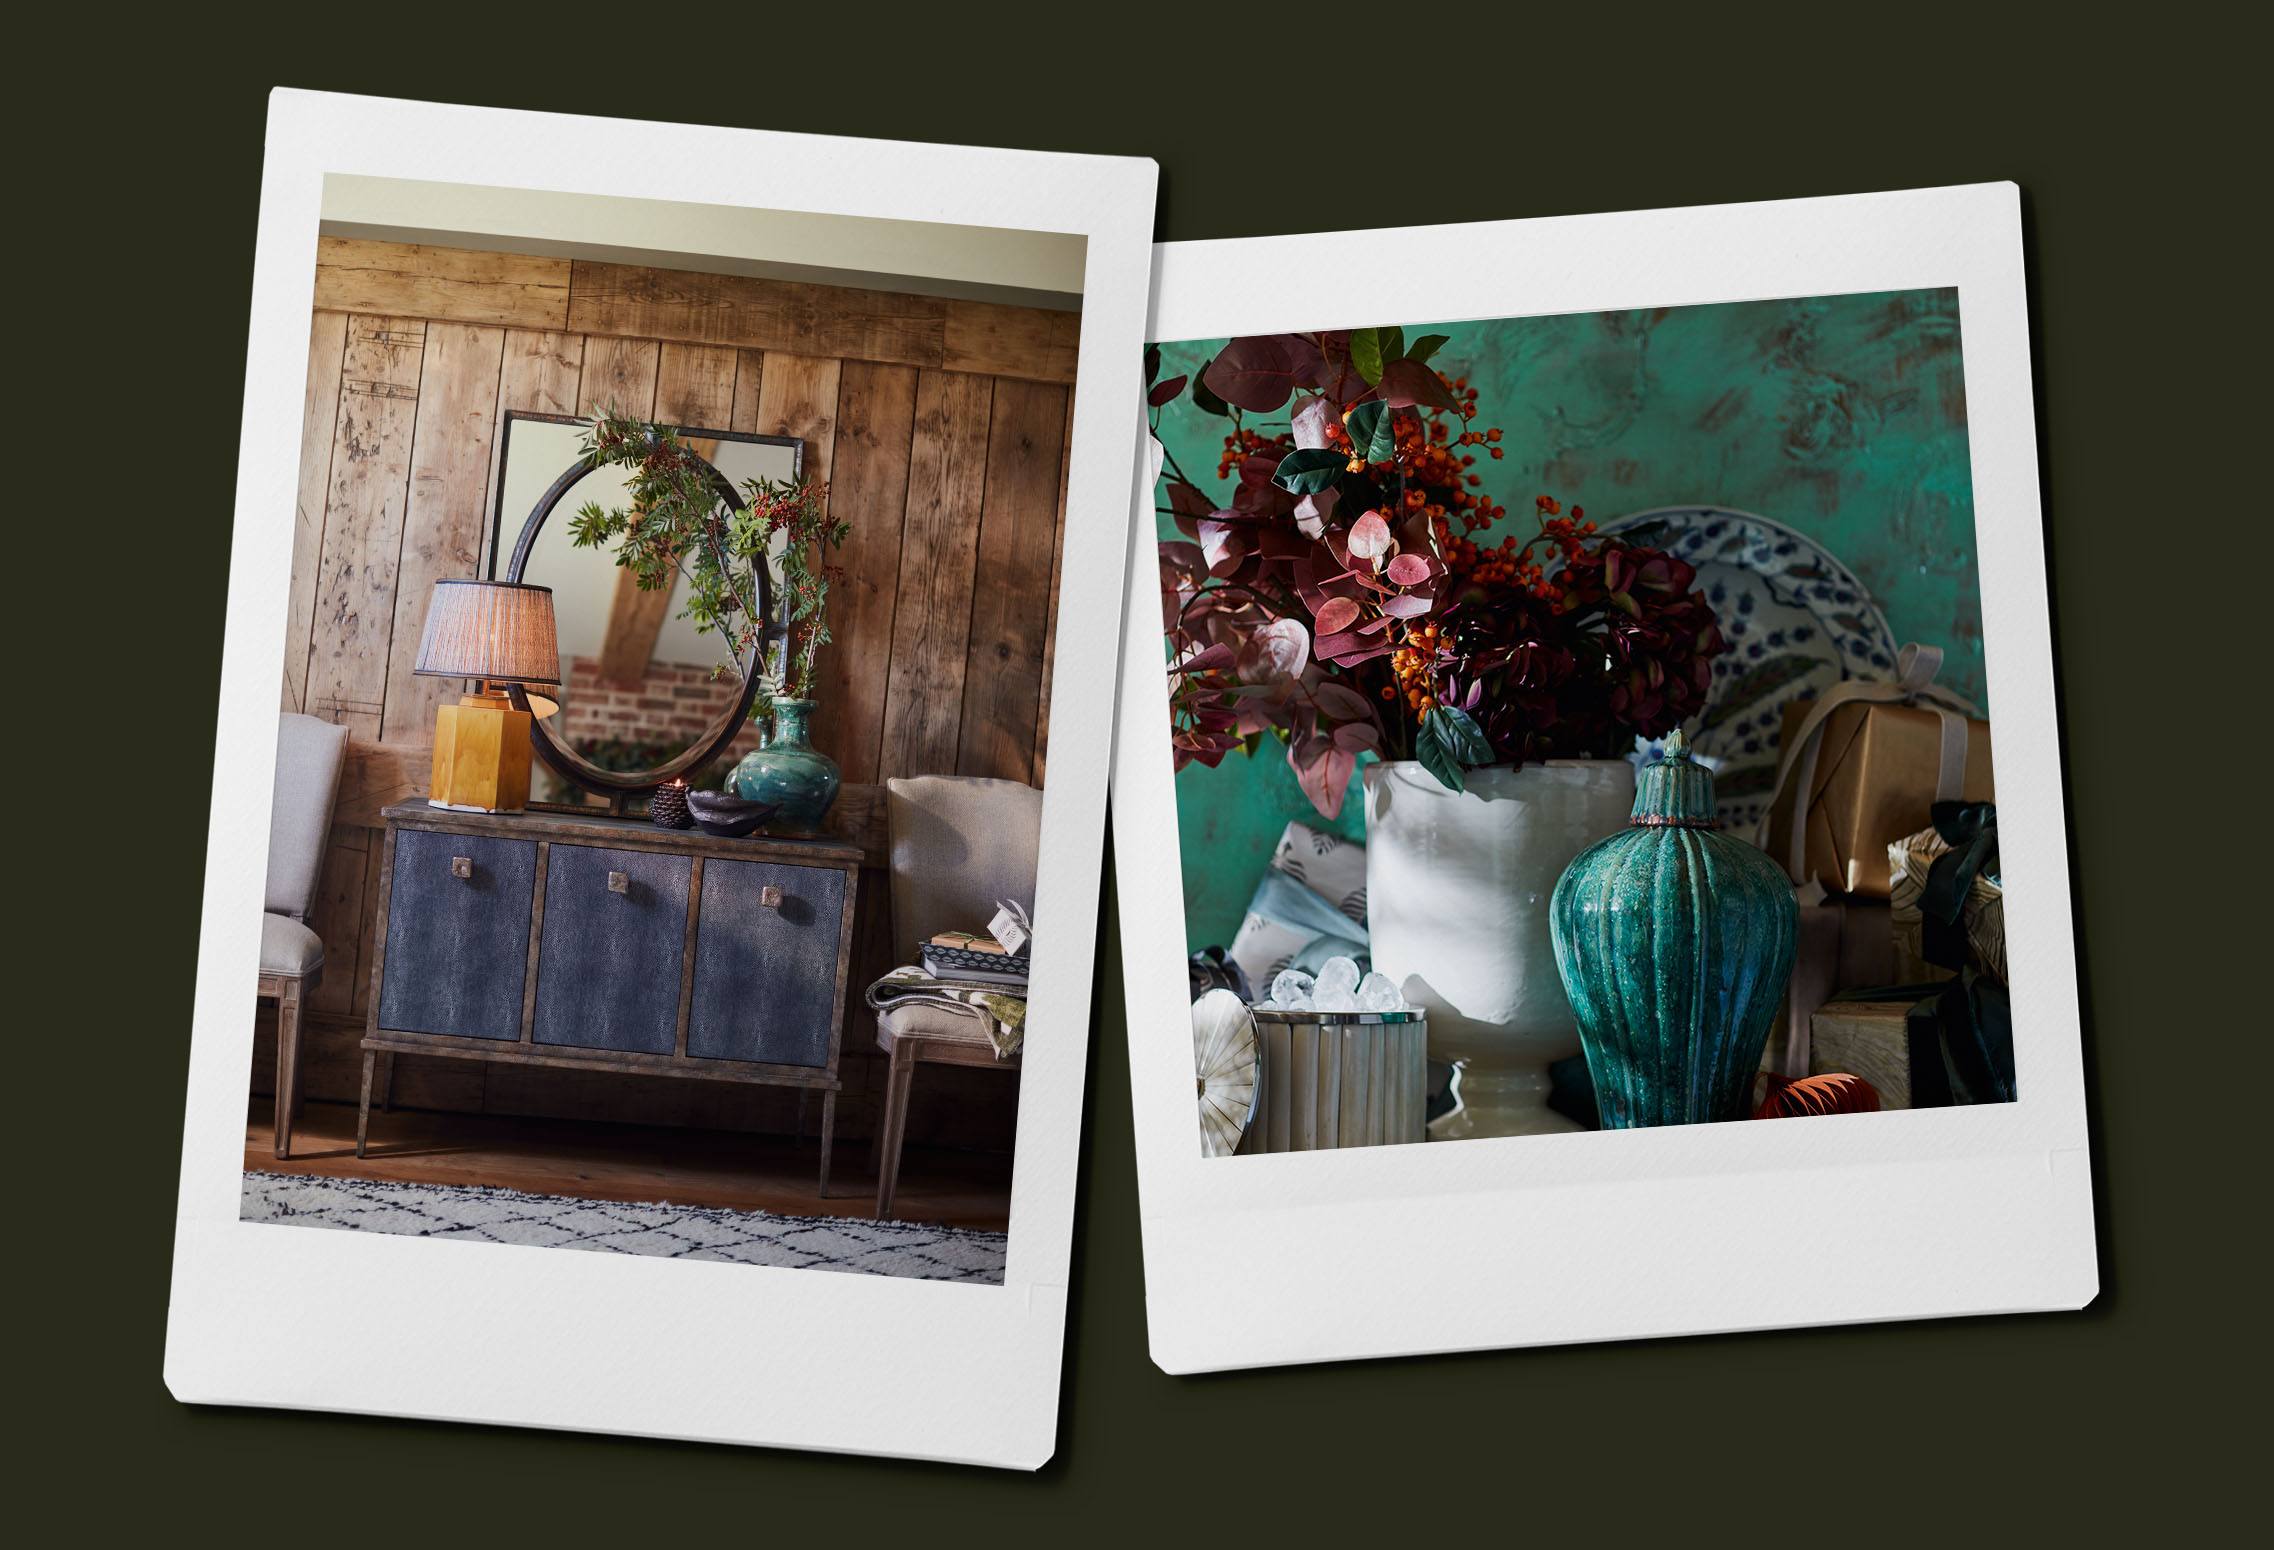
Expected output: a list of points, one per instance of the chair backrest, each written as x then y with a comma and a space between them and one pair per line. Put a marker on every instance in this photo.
309, 756
959, 845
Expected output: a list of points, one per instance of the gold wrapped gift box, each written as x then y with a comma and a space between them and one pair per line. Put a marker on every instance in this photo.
1984, 913
1874, 782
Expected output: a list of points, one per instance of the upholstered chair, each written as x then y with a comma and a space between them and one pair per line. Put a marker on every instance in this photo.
309, 756
959, 847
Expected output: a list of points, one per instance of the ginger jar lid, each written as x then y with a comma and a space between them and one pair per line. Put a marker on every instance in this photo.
1674, 791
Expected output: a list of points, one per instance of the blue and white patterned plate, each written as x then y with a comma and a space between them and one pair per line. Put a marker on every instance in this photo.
1797, 622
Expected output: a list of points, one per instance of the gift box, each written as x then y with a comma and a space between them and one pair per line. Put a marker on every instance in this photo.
1838, 944
1922, 1046
1863, 765
1309, 906
1870, 1037
1981, 899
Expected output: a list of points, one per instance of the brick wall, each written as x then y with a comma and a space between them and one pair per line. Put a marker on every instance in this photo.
675, 704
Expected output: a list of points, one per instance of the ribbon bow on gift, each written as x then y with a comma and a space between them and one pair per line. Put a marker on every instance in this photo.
1970, 829
1813, 968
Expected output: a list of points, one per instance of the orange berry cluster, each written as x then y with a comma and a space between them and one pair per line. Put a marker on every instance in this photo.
1510, 565
1414, 664
1241, 445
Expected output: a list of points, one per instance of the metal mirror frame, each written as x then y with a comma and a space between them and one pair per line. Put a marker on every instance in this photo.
621, 786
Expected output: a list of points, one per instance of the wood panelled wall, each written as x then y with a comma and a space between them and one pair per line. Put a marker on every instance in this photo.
942, 427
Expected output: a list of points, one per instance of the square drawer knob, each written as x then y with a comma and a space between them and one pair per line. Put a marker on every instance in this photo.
461, 866
770, 896
619, 882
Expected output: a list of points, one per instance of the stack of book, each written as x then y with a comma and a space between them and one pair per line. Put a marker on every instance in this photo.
967, 956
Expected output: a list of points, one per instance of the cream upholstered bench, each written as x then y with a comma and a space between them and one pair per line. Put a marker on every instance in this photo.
959, 847
309, 756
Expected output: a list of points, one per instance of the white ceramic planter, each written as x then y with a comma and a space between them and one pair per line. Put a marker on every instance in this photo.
1457, 887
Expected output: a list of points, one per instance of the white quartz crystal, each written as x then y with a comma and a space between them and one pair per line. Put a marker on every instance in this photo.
1289, 987
1377, 993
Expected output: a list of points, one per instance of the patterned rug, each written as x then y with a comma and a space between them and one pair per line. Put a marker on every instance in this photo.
672, 1232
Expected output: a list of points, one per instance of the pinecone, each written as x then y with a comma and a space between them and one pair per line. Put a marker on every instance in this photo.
667, 805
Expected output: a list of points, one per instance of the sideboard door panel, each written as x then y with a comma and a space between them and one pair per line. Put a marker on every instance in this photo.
457, 934
609, 963
766, 974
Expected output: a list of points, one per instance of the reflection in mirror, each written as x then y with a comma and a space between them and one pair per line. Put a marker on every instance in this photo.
642, 686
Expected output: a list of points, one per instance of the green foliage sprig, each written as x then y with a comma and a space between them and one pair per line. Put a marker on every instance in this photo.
680, 525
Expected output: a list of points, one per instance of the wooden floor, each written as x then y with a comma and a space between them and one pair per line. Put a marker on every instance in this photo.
632, 1163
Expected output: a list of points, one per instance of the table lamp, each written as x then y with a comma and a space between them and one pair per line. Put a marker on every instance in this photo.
495, 633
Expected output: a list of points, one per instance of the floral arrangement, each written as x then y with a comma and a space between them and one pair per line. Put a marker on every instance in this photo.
680, 524
799, 511
1350, 597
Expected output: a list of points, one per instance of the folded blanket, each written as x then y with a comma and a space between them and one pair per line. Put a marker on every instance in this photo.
999, 1018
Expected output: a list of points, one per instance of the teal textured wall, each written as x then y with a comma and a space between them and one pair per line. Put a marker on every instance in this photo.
1842, 416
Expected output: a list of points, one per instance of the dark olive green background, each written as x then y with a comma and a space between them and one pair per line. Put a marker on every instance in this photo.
137, 163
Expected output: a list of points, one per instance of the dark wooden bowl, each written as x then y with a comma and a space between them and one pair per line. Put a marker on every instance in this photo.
729, 817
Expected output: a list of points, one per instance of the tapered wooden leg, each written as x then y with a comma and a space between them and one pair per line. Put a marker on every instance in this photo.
895, 1123
363, 1114
876, 1141
387, 1082
287, 1066
828, 1136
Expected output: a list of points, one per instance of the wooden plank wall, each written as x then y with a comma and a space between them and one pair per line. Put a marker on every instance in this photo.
943, 428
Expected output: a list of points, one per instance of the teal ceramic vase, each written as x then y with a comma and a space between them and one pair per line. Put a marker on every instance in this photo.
1675, 942
788, 771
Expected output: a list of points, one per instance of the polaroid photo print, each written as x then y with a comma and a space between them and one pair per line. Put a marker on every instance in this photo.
656, 550
1571, 685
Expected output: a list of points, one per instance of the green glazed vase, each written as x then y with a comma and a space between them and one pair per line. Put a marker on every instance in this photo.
788, 771
1675, 942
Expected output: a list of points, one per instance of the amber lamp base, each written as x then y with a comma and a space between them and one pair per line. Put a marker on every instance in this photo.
481, 755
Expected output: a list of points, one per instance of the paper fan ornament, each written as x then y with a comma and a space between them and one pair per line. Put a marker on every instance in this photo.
1227, 1059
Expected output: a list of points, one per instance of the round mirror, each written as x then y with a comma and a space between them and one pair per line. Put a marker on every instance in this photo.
644, 697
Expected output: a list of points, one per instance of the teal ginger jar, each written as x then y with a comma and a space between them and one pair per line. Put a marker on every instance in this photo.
1675, 943
788, 771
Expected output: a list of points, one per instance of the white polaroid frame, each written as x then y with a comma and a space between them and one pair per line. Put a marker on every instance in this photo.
266, 1315
1304, 1257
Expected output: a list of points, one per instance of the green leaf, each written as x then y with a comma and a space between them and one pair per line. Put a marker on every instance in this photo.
1427, 345
1429, 747
1393, 344
1308, 470
1460, 734
1202, 398
1366, 354
1370, 432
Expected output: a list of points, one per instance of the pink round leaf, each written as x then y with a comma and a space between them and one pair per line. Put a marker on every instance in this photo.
1409, 570
1280, 649
1370, 536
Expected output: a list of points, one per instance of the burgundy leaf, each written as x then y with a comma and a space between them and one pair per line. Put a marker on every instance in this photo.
1206, 661
1358, 737
1339, 614
1164, 391
1323, 771
1342, 703
1406, 383
1256, 373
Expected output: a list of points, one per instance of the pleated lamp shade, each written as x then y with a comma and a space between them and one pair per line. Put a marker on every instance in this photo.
499, 630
